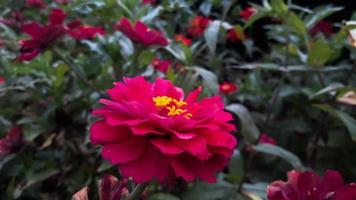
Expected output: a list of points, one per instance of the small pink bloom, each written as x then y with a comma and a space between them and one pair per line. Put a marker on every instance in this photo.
198, 25
161, 65
234, 36
227, 88
183, 39
149, 1
322, 27
138, 32
247, 13
152, 132
36, 3
266, 139
42, 36
2, 80
12, 141
308, 185
80, 32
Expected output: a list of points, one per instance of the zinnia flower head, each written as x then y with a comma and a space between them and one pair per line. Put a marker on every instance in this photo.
227, 88
323, 27
234, 36
198, 25
310, 186
161, 65
110, 188
138, 32
12, 141
152, 132
247, 12
183, 39
42, 36
36, 3
266, 139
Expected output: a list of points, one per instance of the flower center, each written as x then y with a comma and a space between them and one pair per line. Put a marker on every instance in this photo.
171, 106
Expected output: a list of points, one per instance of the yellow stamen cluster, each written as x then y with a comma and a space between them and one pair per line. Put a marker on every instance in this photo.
173, 106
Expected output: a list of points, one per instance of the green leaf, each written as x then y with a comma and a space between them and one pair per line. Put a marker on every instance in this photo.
210, 80
330, 88
249, 129
211, 35
236, 168
163, 196
297, 23
319, 54
320, 13
279, 7
145, 58
207, 191
349, 121
280, 152
255, 191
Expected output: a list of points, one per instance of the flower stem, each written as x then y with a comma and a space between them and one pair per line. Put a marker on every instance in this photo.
136, 193
75, 69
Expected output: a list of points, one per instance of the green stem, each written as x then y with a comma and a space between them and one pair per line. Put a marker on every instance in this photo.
75, 69
136, 193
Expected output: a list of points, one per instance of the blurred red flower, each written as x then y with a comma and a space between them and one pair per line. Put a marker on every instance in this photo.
266, 139
149, 1
42, 36
309, 186
322, 27
247, 13
234, 36
198, 25
2, 80
110, 188
161, 65
80, 32
12, 141
183, 39
151, 132
140, 33
36, 3
227, 87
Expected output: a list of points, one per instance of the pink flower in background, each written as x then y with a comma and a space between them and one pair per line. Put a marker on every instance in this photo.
138, 32
12, 141
36, 3
227, 88
266, 139
234, 36
309, 186
80, 32
149, 1
42, 36
247, 13
110, 188
161, 65
152, 132
323, 27
183, 39
2, 80
198, 25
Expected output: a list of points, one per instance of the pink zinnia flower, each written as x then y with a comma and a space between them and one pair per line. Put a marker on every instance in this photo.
183, 39
227, 88
247, 13
309, 186
42, 36
12, 141
198, 25
234, 36
140, 33
152, 132
80, 32
161, 65
2, 80
266, 139
36, 3
322, 27
110, 188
